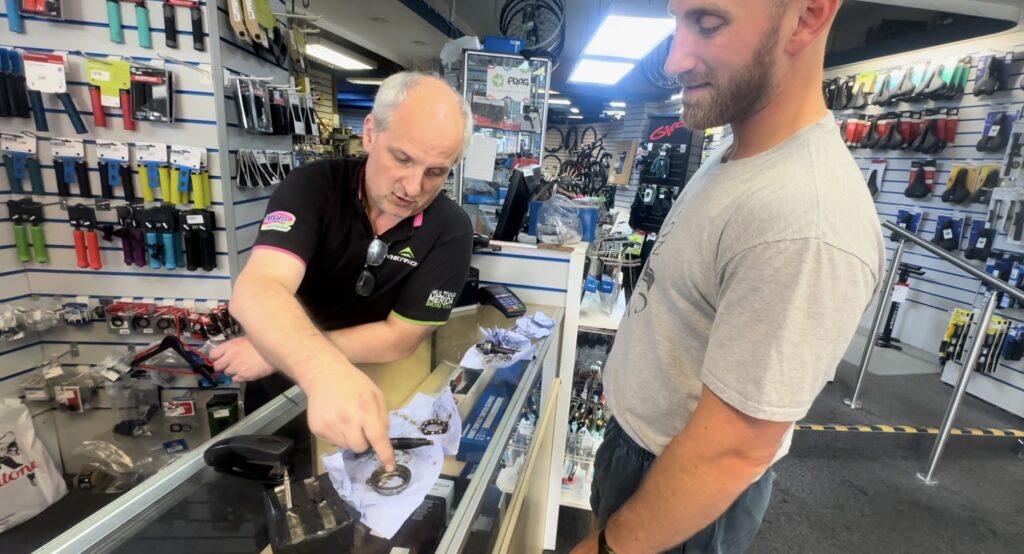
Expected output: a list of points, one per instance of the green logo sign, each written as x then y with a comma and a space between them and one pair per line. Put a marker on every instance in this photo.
407, 253
498, 80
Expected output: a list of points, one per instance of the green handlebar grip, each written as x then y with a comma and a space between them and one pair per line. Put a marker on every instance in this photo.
142, 22
114, 21
21, 240
39, 244
35, 175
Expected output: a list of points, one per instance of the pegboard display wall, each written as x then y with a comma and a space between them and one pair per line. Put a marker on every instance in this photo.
632, 126
923, 318
204, 118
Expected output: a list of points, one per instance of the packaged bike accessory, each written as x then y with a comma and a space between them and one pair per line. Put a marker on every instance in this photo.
110, 86
197, 228
69, 166
154, 173
909, 218
20, 159
46, 73
152, 93
948, 232
115, 169
957, 189
996, 135
922, 179
87, 242
27, 218
876, 176
987, 181
133, 240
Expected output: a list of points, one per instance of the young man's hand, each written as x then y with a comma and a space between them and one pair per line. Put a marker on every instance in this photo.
346, 409
588, 546
239, 359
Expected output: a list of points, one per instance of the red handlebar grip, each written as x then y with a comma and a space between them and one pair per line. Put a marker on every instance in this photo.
80, 254
98, 115
94, 250
126, 111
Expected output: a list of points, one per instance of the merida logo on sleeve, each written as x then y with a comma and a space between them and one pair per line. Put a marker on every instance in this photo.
278, 221
405, 256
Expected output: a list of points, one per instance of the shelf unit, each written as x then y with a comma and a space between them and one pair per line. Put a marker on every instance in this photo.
531, 110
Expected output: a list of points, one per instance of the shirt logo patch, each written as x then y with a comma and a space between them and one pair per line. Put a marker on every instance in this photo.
278, 221
407, 253
441, 299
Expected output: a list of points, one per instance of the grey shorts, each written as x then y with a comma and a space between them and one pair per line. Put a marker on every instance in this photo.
620, 466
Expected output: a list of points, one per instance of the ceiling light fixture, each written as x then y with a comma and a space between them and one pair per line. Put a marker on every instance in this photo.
559, 101
574, 110
370, 82
575, 117
629, 37
599, 72
334, 58
617, 104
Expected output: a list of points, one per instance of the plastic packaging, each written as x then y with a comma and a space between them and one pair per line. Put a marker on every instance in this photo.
558, 221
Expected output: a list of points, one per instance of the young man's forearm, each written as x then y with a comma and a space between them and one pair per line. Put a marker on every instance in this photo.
299, 352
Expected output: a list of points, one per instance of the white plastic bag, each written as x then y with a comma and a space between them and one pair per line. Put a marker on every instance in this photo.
29, 480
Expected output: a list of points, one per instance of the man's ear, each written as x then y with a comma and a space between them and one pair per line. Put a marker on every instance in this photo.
815, 20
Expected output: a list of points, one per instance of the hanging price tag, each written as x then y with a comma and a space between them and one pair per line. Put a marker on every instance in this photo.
67, 148
52, 371
17, 142
187, 156
947, 234
45, 72
151, 152
113, 151
899, 292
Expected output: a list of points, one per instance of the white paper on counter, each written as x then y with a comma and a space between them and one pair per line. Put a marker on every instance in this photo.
385, 515
536, 326
480, 158
474, 359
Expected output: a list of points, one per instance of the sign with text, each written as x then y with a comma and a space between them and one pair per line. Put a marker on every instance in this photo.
512, 83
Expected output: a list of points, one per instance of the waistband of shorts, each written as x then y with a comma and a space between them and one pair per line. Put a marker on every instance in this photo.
614, 431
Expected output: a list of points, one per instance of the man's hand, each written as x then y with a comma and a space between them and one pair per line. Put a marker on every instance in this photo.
347, 409
588, 546
239, 359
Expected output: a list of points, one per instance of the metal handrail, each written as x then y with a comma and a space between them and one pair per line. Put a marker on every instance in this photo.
989, 280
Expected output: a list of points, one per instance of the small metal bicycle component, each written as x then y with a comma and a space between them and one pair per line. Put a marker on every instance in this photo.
381, 480
434, 427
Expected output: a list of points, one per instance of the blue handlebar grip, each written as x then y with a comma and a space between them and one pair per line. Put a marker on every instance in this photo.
12, 175
72, 111
14, 20
114, 21
151, 246
35, 99
170, 249
142, 21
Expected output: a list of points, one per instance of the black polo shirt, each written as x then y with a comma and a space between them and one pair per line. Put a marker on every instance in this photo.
317, 216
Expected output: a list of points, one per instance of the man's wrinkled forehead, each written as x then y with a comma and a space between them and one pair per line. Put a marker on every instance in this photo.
682, 8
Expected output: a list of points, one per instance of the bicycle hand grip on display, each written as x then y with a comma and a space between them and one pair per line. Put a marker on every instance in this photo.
152, 244
170, 26
114, 21
39, 244
72, 111
99, 117
21, 241
81, 256
170, 249
35, 99
93, 249
127, 117
142, 22
35, 175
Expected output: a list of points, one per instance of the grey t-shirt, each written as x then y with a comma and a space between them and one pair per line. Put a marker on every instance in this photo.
754, 288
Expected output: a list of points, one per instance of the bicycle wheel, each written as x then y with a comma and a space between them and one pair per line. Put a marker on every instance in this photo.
583, 135
561, 140
571, 140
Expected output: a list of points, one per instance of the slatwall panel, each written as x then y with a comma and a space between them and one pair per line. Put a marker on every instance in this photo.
327, 103
84, 27
923, 319
353, 118
247, 205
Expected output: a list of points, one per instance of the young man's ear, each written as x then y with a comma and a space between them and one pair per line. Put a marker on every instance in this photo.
815, 20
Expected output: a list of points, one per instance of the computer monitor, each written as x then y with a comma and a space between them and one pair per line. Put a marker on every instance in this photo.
523, 185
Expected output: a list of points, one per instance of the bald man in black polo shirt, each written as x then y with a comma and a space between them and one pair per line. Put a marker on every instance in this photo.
356, 263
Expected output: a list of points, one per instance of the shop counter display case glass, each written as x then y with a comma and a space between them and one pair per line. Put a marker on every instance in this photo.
189, 506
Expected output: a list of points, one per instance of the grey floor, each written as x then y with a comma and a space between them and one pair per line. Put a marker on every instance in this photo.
857, 493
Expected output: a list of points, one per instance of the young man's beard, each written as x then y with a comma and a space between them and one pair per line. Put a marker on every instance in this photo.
740, 96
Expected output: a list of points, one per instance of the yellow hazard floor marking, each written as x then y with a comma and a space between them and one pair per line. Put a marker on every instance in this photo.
909, 429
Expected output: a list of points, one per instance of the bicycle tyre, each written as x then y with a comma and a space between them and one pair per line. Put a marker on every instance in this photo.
561, 141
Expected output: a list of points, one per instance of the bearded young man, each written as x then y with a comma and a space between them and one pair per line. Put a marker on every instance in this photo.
750, 296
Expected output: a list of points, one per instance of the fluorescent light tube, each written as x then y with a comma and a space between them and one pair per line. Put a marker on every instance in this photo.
365, 81
575, 117
334, 58
574, 110
629, 37
559, 101
599, 72
617, 104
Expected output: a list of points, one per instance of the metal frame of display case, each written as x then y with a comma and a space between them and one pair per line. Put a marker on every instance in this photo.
541, 91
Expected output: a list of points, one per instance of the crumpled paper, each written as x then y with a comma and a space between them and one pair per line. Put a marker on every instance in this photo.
385, 515
474, 359
536, 326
